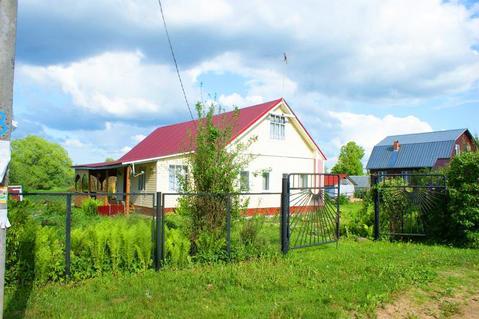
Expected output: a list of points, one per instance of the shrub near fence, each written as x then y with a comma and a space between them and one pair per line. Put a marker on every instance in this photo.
123, 243
36, 241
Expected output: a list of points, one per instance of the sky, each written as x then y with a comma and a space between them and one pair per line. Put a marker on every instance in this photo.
98, 76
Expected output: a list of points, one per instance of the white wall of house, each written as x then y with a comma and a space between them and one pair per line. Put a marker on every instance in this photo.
293, 154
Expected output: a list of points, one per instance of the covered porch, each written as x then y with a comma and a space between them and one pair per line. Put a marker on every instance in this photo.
108, 182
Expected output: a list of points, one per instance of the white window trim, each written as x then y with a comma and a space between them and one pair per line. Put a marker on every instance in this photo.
277, 126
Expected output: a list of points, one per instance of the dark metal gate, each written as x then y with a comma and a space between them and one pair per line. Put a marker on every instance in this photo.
404, 204
310, 210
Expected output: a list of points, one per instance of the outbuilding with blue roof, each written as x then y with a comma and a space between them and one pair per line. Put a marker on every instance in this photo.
400, 154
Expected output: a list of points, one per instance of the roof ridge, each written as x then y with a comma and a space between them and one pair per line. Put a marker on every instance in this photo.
223, 113
449, 130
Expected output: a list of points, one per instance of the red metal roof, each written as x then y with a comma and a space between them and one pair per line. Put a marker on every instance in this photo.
176, 138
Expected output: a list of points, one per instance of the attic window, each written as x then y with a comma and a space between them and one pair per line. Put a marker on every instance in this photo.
277, 126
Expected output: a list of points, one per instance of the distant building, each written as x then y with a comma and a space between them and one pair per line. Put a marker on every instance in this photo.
361, 183
404, 154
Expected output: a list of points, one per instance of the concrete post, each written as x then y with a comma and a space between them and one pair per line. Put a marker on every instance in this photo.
8, 24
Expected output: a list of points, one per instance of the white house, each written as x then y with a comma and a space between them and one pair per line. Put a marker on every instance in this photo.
282, 145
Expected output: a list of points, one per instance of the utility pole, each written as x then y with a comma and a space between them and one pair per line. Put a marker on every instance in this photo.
8, 25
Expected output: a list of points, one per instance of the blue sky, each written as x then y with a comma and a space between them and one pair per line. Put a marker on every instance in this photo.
97, 76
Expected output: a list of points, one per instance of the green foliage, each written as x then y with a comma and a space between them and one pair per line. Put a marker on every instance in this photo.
343, 199
463, 182
49, 255
349, 161
20, 256
177, 247
112, 244
213, 169
39, 165
36, 252
210, 247
90, 206
357, 218
250, 230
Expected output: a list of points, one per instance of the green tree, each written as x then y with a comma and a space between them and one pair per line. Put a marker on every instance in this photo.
213, 168
109, 159
349, 161
40, 165
463, 182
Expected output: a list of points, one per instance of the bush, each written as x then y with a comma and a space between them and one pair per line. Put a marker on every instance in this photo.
463, 217
35, 253
90, 206
343, 199
250, 230
210, 247
177, 247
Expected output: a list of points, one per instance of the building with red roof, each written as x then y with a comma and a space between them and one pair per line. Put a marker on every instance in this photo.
282, 145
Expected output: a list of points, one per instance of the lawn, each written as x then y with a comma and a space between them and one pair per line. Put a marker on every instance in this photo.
354, 278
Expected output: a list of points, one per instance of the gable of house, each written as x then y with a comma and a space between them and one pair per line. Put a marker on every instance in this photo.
421, 150
177, 139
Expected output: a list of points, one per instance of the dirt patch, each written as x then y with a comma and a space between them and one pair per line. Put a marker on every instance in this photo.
470, 310
436, 302
448, 307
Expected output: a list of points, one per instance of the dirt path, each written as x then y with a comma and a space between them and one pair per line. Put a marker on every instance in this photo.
455, 295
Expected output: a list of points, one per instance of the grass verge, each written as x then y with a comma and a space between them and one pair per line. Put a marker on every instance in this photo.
322, 282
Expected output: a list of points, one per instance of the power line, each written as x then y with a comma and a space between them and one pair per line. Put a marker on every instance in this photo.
174, 60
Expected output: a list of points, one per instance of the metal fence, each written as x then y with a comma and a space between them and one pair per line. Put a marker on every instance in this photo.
231, 213
406, 205
249, 224
66, 211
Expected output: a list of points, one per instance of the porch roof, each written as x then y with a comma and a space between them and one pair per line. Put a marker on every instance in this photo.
99, 166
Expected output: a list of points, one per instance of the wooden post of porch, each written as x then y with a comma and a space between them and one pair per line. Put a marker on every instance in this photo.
89, 183
127, 189
106, 182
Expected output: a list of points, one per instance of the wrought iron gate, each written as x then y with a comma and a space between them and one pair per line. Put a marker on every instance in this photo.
404, 204
310, 210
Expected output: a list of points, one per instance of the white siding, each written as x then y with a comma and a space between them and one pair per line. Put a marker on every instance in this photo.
294, 154
150, 185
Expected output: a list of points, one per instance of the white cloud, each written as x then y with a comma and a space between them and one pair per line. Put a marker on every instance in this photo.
138, 138
88, 146
73, 142
368, 130
121, 84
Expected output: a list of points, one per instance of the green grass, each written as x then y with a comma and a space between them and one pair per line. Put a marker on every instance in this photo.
321, 282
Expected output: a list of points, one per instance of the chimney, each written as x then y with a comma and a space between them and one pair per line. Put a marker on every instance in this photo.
396, 145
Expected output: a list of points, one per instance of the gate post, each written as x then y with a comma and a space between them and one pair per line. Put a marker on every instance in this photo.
338, 208
375, 185
285, 214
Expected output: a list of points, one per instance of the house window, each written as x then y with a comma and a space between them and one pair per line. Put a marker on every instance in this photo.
277, 126
458, 149
175, 175
303, 180
244, 181
265, 181
141, 181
